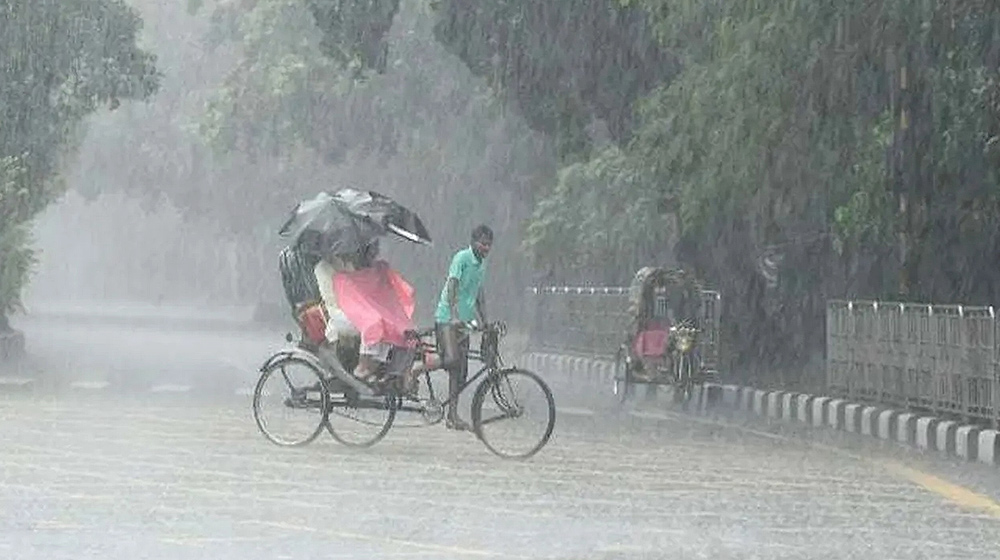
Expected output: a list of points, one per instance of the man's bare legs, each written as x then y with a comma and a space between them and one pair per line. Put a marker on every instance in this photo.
430, 362
453, 351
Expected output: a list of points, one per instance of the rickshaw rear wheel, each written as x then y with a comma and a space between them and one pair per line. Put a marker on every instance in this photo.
361, 432
308, 395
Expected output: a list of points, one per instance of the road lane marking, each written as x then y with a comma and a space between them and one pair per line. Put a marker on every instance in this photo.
194, 541
50, 492
651, 415
19, 381
574, 411
382, 540
954, 493
95, 385
169, 388
632, 548
51, 525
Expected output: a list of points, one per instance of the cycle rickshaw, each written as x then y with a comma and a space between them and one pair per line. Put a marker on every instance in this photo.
672, 337
327, 391
326, 394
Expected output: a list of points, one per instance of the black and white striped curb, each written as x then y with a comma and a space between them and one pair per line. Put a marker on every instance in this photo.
931, 433
587, 370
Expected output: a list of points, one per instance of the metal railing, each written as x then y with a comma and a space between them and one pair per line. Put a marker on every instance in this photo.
594, 321
576, 320
939, 358
944, 359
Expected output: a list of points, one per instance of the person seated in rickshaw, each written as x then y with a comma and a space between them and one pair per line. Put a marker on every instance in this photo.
653, 343
370, 308
340, 333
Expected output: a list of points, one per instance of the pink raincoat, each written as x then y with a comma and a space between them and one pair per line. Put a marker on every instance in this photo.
378, 302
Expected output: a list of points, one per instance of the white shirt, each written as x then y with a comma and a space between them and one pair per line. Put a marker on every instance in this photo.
337, 323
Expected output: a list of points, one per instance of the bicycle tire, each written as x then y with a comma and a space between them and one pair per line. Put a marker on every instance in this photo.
683, 387
485, 388
391, 402
257, 393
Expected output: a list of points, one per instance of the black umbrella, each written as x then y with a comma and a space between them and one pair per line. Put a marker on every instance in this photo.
347, 221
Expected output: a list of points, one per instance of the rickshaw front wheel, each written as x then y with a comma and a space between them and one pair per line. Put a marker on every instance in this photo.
621, 381
683, 381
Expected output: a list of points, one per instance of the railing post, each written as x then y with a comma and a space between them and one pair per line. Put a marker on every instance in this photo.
535, 331
994, 384
546, 305
830, 326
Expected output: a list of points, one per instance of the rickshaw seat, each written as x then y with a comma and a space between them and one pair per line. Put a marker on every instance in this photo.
652, 342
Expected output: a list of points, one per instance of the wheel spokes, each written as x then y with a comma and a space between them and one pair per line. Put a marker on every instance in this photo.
289, 406
515, 415
360, 421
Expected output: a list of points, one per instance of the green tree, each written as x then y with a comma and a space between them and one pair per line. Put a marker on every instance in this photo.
853, 138
61, 61
794, 151
561, 64
274, 118
806, 151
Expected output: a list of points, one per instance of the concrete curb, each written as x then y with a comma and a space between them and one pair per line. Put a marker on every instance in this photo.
947, 437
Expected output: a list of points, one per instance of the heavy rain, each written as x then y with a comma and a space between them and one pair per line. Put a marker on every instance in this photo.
607, 279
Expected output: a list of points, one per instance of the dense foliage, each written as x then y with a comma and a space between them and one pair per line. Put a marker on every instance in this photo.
254, 114
857, 140
803, 150
787, 152
420, 129
60, 61
562, 64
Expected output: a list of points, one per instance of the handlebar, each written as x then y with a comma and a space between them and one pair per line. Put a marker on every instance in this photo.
499, 327
420, 333
496, 326
685, 326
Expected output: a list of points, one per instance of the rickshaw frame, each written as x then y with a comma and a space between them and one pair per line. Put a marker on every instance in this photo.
337, 388
655, 292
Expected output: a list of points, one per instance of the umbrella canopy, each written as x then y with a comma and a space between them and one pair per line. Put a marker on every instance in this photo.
344, 223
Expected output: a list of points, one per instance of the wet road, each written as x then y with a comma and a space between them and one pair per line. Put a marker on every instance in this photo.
91, 474
206, 358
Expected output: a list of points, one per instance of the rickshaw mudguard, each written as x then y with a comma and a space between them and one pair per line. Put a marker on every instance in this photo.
280, 354
313, 360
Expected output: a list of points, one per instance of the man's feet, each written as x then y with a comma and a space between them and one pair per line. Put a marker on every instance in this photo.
456, 423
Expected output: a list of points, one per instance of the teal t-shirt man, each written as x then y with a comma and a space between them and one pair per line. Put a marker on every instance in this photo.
468, 271
462, 300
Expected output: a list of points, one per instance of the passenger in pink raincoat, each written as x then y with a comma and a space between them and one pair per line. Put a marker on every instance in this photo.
378, 303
